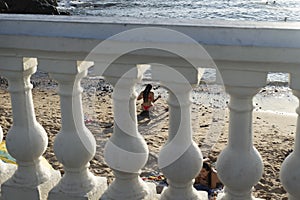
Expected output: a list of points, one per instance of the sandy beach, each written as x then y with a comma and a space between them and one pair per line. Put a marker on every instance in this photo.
273, 132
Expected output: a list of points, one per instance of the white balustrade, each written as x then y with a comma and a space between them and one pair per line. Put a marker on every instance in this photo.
74, 146
240, 165
126, 152
289, 174
27, 140
243, 52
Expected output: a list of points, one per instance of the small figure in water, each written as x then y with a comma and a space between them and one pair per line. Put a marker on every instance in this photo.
148, 99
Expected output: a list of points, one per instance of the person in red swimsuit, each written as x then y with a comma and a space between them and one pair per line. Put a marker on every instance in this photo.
148, 99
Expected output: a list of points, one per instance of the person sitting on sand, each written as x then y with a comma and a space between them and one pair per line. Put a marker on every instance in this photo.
148, 99
207, 180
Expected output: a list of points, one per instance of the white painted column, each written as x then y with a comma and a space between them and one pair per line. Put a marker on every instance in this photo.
240, 165
27, 140
6, 169
126, 152
180, 159
290, 170
74, 146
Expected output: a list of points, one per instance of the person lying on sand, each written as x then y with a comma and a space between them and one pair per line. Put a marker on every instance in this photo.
207, 180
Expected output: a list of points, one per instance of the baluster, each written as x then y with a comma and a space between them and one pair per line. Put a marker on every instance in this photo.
74, 146
289, 174
126, 152
180, 159
240, 165
26, 140
6, 169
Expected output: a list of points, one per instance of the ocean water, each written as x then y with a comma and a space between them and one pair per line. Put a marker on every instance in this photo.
250, 10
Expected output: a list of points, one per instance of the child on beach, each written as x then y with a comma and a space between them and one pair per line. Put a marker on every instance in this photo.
148, 99
208, 180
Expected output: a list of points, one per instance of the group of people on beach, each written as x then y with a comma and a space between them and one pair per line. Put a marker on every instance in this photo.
207, 179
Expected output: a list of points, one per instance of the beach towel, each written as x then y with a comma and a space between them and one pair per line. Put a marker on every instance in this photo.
7, 158
4, 155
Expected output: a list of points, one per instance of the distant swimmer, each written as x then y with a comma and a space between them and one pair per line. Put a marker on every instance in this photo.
285, 19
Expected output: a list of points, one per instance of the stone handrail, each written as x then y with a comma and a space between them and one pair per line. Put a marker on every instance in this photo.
243, 53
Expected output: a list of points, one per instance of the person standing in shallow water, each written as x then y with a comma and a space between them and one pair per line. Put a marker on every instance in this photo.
148, 101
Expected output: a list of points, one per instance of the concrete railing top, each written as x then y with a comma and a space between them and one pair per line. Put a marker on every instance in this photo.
264, 46
211, 32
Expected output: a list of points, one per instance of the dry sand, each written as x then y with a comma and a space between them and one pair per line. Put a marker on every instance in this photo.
273, 133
